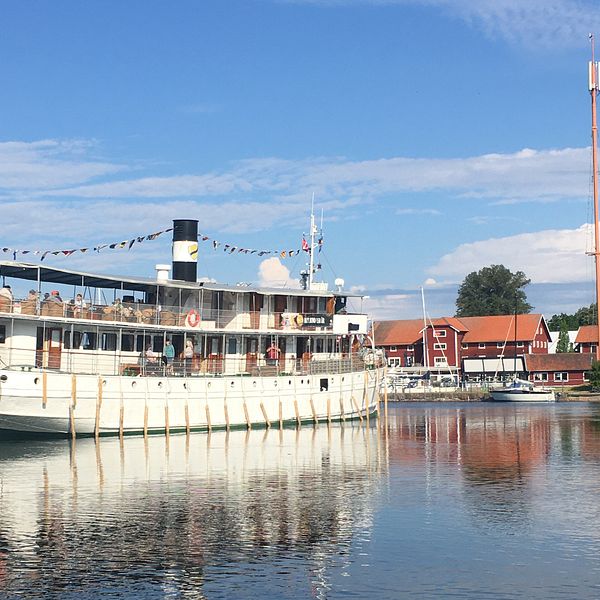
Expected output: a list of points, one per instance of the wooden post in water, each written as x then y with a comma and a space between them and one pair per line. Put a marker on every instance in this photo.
187, 420
74, 390
167, 420
280, 414
342, 414
264, 412
44, 389
314, 412
226, 411
385, 400
72, 421
121, 415
298, 419
329, 411
365, 399
146, 421
208, 423
358, 412
98, 407
248, 423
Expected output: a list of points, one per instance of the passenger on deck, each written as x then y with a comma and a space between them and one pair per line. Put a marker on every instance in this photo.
33, 295
55, 297
6, 292
78, 305
150, 360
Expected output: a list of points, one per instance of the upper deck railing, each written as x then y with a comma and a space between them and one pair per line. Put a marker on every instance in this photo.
199, 319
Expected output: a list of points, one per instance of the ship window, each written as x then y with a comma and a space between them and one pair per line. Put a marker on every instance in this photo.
140, 343
319, 346
2, 334
89, 340
76, 340
67, 340
324, 384
157, 343
109, 341
127, 342
231, 346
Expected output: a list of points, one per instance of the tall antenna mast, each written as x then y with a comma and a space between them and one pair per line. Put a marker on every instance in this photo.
594, 72
313, 231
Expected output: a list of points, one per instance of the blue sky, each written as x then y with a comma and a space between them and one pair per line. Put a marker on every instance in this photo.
438, 136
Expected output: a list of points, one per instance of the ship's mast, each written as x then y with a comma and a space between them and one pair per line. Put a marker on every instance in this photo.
313, 232
593, 87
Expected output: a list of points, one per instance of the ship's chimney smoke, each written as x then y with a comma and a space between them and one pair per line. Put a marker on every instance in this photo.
185, 249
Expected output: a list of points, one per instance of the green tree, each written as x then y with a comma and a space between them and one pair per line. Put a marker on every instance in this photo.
493, 290
594, 375
584, 316
564, 345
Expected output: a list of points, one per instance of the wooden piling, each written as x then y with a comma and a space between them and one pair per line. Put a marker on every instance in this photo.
44, 389
187, 420
329, 411
208, 423
248, 423
72, 421
167, 420
121, 416
98, 407
145, 421
264, 412
226, 411
298, 419
280, 415
342, 414
357, 409
74, 390
314, 412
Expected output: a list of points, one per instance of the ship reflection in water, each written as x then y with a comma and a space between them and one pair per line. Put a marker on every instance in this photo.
182, 516
471, 501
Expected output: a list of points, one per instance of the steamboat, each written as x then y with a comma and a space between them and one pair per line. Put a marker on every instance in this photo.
138, 356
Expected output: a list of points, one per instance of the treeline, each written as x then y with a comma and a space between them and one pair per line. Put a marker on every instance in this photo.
586, 315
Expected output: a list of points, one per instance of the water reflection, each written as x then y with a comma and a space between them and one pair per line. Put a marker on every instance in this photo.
183, 515
471, 501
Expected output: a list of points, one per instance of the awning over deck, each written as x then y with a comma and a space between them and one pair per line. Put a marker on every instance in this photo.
493, 365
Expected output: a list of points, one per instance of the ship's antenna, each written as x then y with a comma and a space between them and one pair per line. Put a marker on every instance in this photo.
593, 87
313, 229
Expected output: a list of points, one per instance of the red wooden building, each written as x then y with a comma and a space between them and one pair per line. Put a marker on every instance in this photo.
563, 368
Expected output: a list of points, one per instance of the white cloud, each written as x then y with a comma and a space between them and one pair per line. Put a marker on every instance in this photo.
550, 256
526, 175
47, 164
418, 211
272, 273
390, 306
539, 23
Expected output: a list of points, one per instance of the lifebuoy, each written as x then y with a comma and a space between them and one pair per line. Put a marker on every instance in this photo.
193, 318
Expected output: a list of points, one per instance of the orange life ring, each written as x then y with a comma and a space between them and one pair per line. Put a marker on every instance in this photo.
193, 318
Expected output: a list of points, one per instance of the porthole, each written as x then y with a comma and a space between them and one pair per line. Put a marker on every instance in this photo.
302, 381
133, 383
343, 378
160, 384
36, 380
232, 383
254, 384
104, 382
275, 384
209, 384
185, 386
290, 382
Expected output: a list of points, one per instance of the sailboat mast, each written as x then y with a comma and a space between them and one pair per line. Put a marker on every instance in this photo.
593, 87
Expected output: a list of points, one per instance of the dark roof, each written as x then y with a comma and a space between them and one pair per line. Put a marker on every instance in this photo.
48, 274
561, 361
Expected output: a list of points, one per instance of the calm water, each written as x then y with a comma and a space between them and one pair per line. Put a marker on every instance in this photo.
465, 501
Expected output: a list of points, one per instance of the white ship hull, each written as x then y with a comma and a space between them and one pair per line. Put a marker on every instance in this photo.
540, 395
61, 403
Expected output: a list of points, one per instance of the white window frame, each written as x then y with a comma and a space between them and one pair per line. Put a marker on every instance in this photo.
393, 348
558, 376
480, 345
439, 346
440, 361
464, 346
410, 348
438, 333
499, 345
520, 344
540, 376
